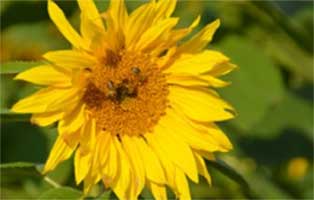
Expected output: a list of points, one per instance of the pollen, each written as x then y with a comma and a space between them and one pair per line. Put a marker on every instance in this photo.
127, 95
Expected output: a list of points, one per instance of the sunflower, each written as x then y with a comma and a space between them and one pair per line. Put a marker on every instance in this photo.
134, 105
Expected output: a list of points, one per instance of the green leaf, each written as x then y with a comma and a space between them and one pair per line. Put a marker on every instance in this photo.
105, 196
291, 112
12, 91
11, 172
146, 194
62, 193
256, 85
296, 31
36, 39
63, 172
229, 172
284, 50
256, 176
17, 165
305, 17
263, 187
17, 67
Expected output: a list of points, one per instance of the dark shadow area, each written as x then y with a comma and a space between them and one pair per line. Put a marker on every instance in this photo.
22, 142
31, 11
289, 144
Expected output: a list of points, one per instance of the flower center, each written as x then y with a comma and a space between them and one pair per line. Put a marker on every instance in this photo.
127, 94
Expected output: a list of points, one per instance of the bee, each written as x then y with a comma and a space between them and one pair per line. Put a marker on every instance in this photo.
112, 91
110, 85
136, 70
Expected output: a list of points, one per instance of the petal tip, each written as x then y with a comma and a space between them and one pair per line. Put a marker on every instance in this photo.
217, 22
15, 108
17, 77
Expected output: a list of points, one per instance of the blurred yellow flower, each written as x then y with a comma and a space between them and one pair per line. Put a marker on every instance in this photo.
297, 168
136, 108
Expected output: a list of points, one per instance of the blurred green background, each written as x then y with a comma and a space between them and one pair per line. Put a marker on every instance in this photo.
271, 42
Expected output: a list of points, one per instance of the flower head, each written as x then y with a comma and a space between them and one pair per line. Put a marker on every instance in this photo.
136, 107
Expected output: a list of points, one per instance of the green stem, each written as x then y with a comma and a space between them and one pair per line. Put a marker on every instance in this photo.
51, 182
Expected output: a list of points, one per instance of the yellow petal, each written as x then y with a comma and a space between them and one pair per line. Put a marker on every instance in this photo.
110, 169
167, 165
175, 176
196, 80
59, 19
186, 80
41, 101
213, 138
118, 15
197, 139
121, 185
177, 34
88, 135
117, 19
103, 142
67, 101
95, 171
199, 104
196, 64
45, 75
45, 119
216, 133
139, 21
158, 191
168, 58
154, 35
89, 182
174, 148
92, 25
201, 167
73, 120
182, 186
136, 161
219, 135
60, 152
81, 165
70, 59
170, 170
214, 82
201, 39
222, 69
153, 169
170, 45
207, 155
89, 9
181, 33
90, 31
165, 8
